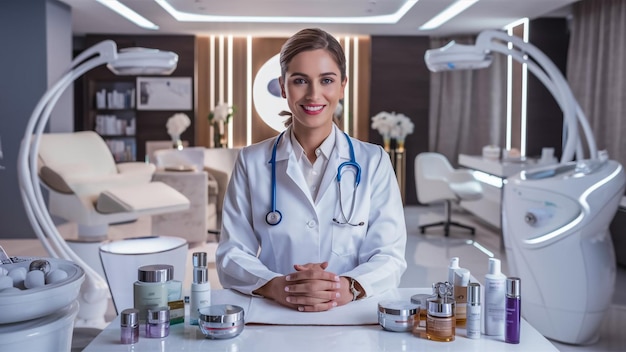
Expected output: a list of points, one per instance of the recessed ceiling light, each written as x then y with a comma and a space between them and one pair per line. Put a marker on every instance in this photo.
380, 19
129, 14
447, 14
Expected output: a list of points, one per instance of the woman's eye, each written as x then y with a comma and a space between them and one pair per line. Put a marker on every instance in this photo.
327, 81
299, 81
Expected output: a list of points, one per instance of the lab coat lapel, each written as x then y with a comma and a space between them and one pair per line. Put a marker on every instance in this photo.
286, 164
340, 154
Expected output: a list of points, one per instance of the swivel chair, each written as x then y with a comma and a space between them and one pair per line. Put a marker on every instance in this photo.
437, 181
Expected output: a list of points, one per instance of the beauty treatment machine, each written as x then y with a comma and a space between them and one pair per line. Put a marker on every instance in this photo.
555, 218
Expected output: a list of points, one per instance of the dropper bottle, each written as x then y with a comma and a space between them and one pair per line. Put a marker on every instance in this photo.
200, 296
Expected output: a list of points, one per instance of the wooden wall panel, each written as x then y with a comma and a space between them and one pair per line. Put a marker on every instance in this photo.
202, 91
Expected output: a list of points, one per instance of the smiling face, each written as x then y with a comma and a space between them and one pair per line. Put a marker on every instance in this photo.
313, 87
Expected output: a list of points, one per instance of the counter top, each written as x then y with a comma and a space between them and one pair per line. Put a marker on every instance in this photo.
308, 338
500, 168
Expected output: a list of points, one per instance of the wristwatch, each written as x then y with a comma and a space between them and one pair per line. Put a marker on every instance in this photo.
353, 289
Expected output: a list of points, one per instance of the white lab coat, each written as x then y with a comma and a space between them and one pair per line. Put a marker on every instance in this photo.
251, 252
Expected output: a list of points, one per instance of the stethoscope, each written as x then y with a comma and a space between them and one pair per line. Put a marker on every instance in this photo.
274, 216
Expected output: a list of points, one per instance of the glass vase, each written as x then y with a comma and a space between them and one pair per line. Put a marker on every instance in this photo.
177, 143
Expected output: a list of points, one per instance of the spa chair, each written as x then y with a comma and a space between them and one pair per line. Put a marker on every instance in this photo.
437, 181
89, 188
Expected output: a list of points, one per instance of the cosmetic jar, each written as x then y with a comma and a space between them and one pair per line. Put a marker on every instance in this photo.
129, 326
151, 288
396, 315
221, 321
421, 299
158, 324
440, 320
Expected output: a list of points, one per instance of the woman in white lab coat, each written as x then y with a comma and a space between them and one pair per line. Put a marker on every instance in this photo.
319, 242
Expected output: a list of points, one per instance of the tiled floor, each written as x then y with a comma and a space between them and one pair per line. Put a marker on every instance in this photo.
427, 257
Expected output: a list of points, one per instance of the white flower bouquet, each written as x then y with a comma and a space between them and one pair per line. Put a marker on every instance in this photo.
392, 126
177, 124
222, 112
218, 118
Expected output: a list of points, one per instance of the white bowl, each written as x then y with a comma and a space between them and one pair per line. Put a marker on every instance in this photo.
41, 301
50, 333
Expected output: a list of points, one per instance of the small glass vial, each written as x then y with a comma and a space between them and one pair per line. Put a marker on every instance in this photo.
513, 310
129, 326
421, 299
473, 311
440, 319
151, 288
158, 324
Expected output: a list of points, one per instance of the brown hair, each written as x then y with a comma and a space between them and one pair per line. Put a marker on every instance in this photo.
311, 39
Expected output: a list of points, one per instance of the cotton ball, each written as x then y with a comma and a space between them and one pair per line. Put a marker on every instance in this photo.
55, 276
10, 290
5, 282
34, 279
18, 275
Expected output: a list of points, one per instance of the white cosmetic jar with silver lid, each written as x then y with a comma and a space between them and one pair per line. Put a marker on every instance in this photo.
221, 321
395, 315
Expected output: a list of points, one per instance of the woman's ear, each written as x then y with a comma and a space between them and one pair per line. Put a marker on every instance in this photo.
282, 87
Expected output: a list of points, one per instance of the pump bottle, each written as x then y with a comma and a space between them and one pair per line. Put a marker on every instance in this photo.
495, 291
200, 296
459, 278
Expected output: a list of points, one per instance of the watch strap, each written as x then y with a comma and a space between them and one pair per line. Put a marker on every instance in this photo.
355, 292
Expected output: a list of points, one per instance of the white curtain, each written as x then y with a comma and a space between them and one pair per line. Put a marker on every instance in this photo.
596, 70
467, 108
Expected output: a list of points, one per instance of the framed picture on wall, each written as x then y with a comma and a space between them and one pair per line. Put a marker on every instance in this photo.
164, 93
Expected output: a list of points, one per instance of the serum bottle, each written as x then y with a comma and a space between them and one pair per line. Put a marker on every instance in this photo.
495, 287
200, 287
473, 311
513, 310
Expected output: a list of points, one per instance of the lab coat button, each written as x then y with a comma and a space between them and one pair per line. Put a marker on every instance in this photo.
311, 223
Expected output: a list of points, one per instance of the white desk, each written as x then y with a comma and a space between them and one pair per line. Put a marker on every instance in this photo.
307, 338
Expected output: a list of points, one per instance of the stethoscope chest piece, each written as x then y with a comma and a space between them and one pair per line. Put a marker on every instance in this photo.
273, 217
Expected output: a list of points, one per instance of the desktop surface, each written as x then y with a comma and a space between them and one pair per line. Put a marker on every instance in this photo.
313, 338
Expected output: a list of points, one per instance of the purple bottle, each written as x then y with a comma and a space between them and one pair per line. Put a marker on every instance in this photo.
513, 310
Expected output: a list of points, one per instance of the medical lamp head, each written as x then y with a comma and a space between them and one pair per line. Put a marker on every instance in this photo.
456, 56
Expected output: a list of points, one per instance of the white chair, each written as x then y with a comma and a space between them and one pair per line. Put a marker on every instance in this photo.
437, 181
88, 187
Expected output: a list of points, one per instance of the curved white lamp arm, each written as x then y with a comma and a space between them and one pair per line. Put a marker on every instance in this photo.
133, 61
34, 203
456, 56
529, 54
562, 96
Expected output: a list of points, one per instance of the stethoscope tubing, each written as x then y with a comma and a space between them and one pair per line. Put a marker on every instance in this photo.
274, 216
